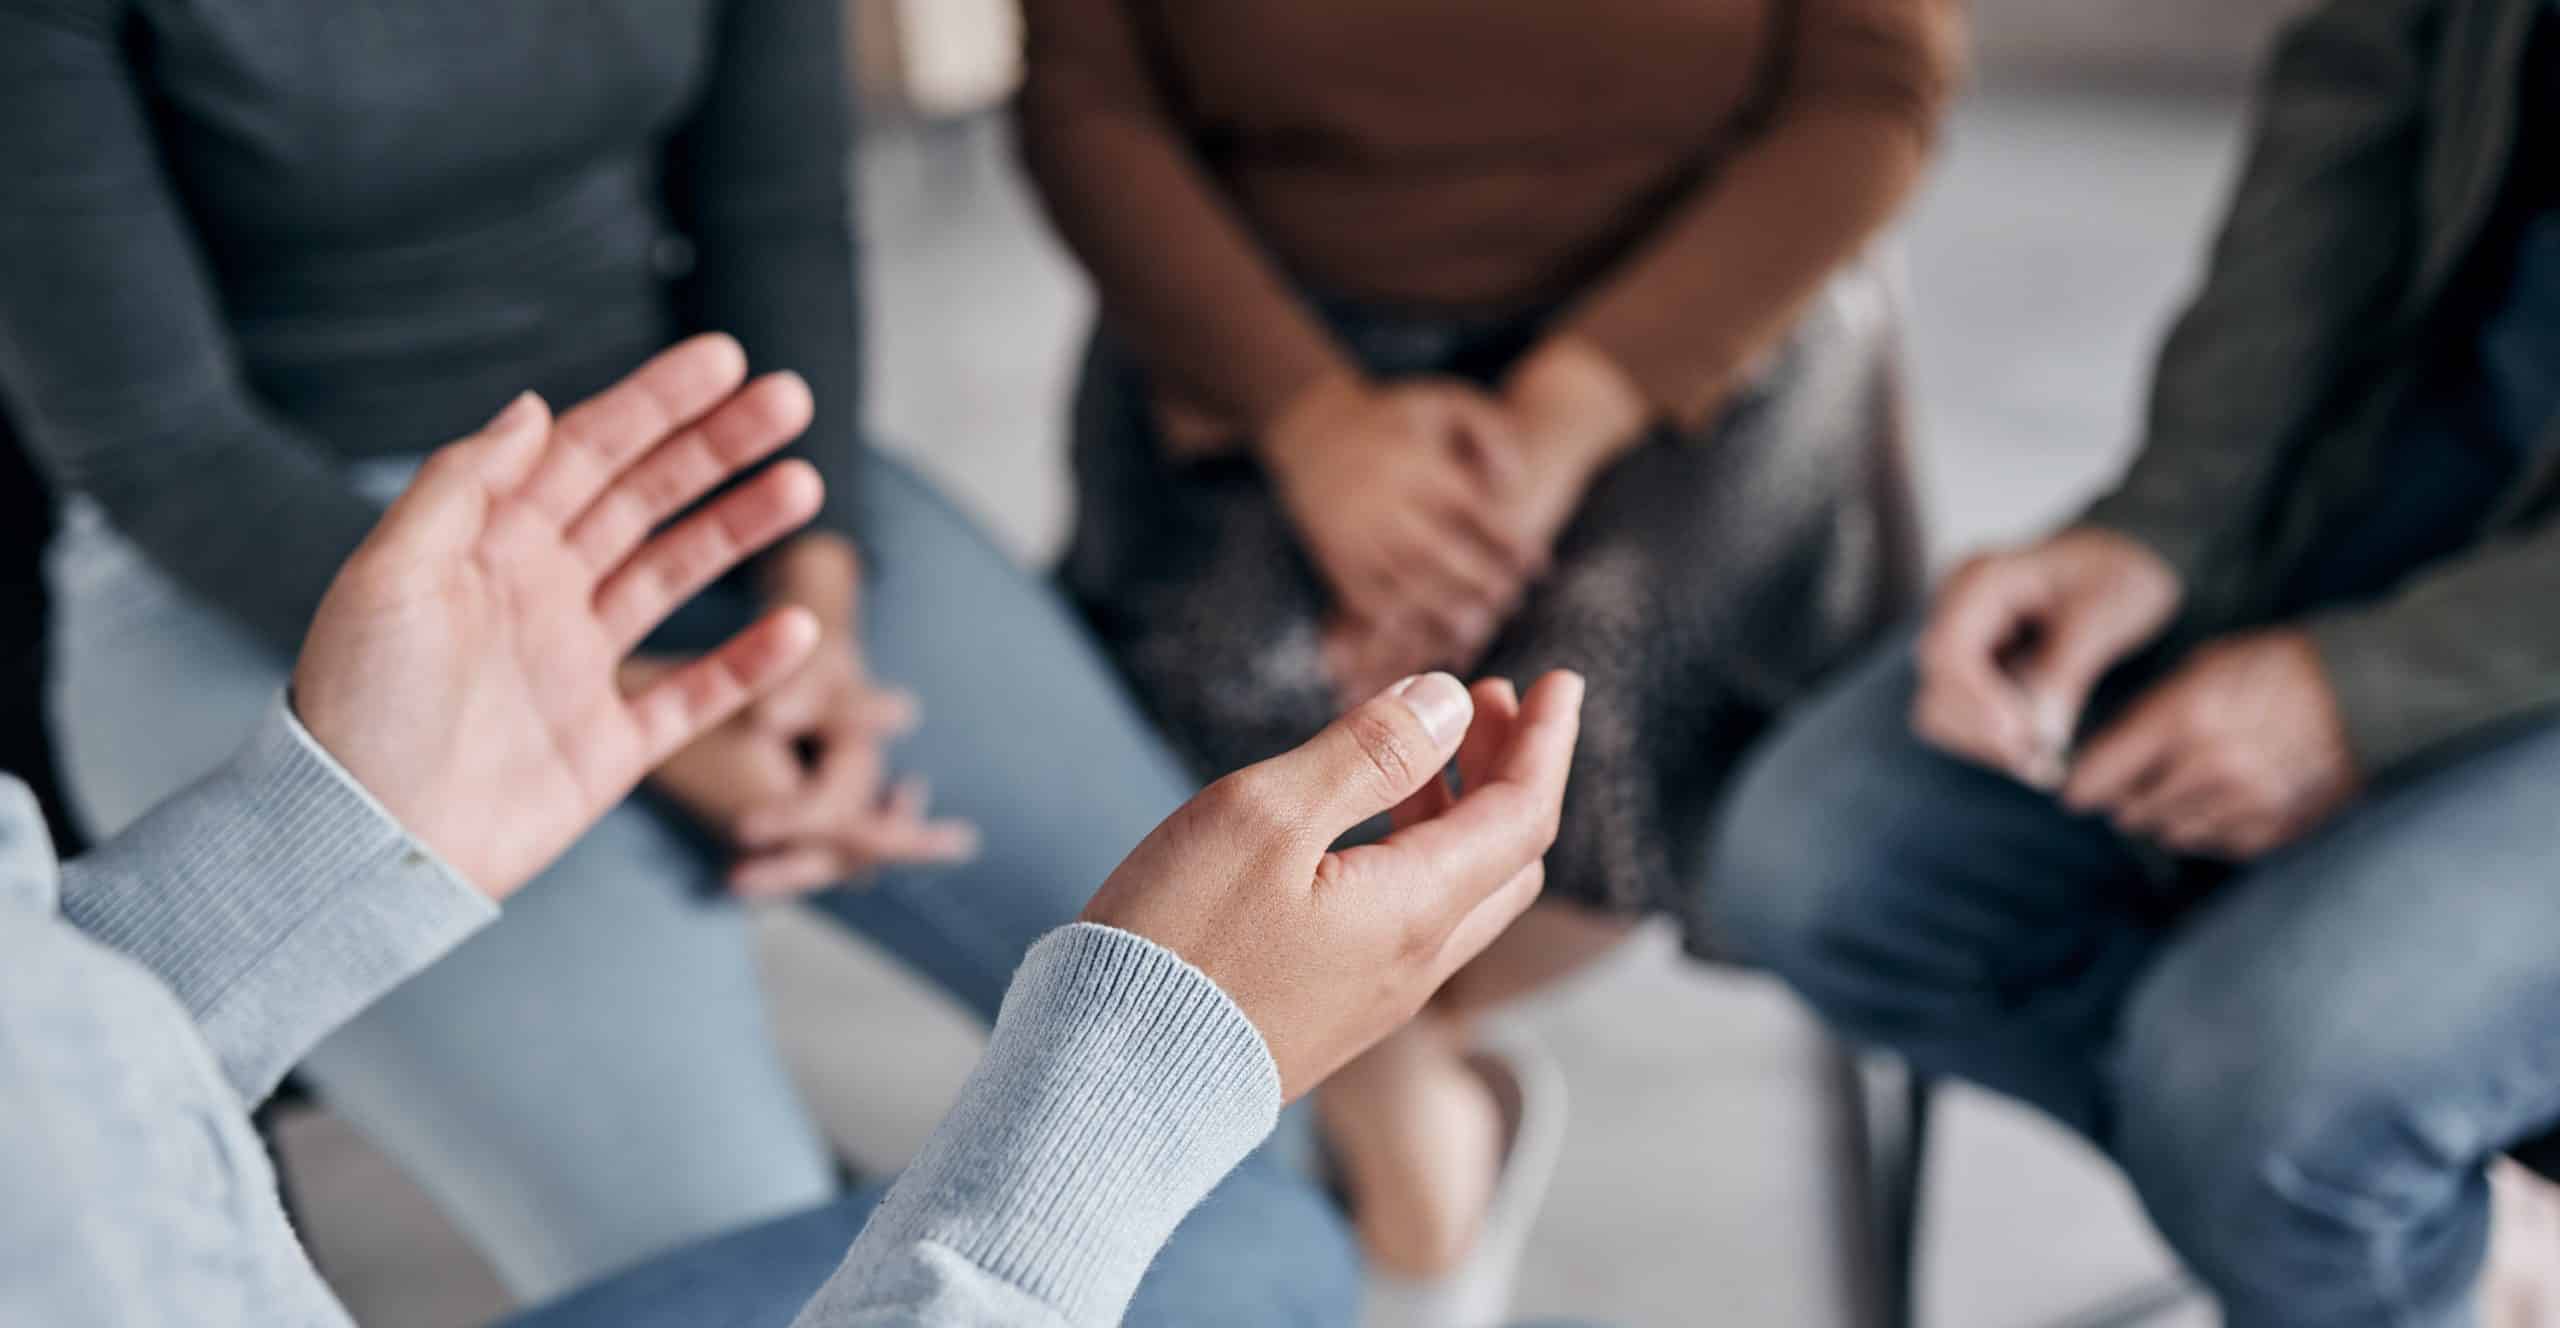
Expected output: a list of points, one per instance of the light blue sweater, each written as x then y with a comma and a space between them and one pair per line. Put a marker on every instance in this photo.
153, 991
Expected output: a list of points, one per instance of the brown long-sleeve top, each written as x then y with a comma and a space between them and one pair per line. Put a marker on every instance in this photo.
1681, 175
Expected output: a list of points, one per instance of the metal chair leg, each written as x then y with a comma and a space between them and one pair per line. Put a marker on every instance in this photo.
1899, 1167
1880, 1123
1901, 1170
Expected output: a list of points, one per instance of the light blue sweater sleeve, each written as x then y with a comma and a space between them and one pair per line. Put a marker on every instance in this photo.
197, 955
1119, 1087
276, 899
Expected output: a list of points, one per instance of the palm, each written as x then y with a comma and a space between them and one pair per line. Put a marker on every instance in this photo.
463, 667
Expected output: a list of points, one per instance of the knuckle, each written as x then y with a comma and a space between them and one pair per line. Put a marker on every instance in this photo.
1390, 753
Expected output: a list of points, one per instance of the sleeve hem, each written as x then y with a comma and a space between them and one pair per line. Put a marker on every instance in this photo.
276, 898
1121, 1085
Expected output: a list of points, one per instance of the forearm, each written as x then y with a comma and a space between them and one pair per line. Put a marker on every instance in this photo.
761, 181
1119, 1088
2317, 238
1179, 274
275, 898
233, 510
1730, 269
114, 359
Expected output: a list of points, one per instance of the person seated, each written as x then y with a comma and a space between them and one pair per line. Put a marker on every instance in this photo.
2219, 824
1494, 338
262, 258
457, 719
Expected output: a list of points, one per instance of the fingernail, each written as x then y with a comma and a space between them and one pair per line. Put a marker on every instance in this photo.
1441, 703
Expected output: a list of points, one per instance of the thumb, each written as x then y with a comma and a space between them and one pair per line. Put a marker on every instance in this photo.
1376, 756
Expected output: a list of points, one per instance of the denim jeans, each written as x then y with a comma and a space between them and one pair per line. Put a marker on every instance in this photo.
2303, 1066
593, 1080
1264, 1248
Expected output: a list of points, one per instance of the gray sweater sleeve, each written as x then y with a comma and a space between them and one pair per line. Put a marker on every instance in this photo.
760, 179
114, 359
275, 898
1120, 1086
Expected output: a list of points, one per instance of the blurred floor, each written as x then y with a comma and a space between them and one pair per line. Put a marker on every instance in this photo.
2058, 234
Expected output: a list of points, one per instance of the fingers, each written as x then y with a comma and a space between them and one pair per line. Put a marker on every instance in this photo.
449, 502
2186, 792
792, 871
833, 694
1521, 557
1372, 758
593, 443
698, 697
843, 828
1497, 717
1967, 704
1497, 705
1498, 828
1461, 567
1485, 923
741, 431
2127, 758
668, 569
2075, 651
509, 444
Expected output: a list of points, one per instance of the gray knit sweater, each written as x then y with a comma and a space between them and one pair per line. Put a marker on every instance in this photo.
154, 990
248, 242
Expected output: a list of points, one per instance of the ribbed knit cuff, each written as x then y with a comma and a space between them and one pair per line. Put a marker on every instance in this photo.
1121, 1085
276, 898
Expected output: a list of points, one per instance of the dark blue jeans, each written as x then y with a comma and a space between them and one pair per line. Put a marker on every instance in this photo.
2303, 1066
1264, 1248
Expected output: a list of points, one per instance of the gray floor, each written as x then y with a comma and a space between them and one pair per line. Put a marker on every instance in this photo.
2058, 233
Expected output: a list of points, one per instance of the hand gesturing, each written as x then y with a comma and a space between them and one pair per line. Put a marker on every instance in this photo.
462, 666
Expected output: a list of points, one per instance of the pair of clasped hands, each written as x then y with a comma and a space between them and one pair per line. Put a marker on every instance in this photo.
2238, 751
468, 667
1430, 506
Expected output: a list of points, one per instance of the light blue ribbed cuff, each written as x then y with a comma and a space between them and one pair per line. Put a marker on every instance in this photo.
276, 897
1120, 1086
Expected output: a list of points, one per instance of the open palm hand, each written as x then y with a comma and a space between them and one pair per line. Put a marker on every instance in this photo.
463, 665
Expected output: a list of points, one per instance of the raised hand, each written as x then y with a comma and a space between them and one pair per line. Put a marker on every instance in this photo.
1328, 951
463, 665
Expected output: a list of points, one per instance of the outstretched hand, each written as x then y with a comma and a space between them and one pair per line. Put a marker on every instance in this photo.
1328, 951
463, 665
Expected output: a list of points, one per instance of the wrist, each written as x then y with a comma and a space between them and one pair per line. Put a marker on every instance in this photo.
2129, 555
1583, 410
1301, 427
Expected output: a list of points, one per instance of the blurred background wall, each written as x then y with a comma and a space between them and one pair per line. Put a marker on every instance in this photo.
2156, 42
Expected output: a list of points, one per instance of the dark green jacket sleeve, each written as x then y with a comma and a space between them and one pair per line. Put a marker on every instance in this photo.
2318, 241
760, 179
2461, 650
